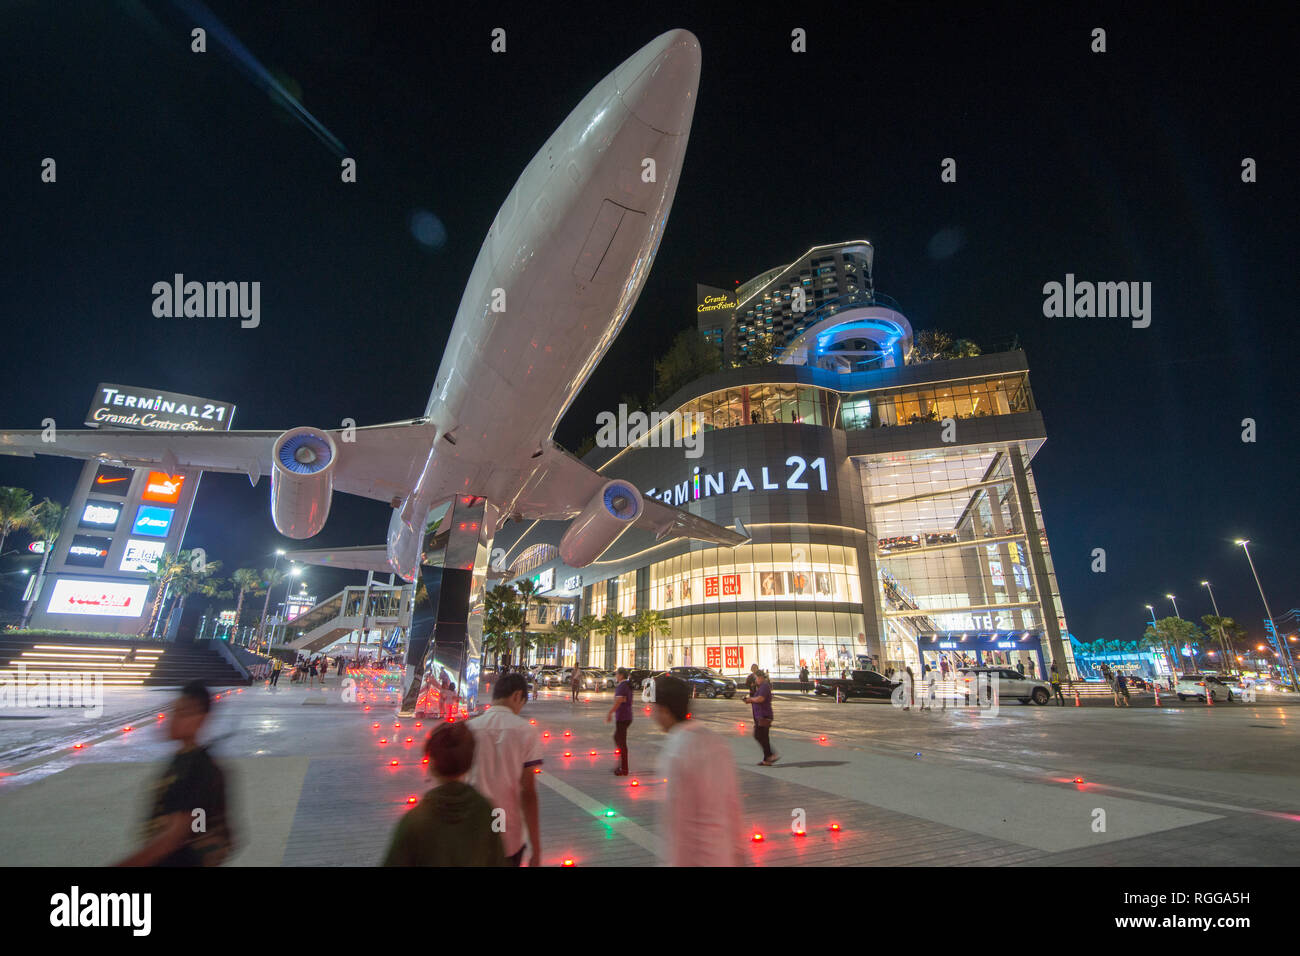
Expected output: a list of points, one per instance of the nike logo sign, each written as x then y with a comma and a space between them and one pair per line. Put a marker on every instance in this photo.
101, 480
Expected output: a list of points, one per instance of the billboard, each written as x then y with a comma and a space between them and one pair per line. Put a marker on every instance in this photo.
125, 406
711, 299
100, 514
141, 556
163, 487
88, 551
154, 522
97, 598
111, 480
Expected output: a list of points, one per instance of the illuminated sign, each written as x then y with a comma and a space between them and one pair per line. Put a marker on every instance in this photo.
36, 547
574, 583
735, 657
153, 522
544, 581
101, 514
97, 598
712, 299
713, 657
226, 617
123, 406
163, 487
110, 480
88, 551
798, 474
141, 555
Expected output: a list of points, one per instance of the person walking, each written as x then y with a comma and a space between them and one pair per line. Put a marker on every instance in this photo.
749, 681
575, 682
1121, 689
1020, 666
1055, 680
760, 699
803, 678
452, 823
909, 687
506, 752
276, 667
192, 780
621, 714
700, 812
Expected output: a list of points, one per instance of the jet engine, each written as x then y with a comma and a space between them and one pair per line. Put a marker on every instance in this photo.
302, 481
612, 511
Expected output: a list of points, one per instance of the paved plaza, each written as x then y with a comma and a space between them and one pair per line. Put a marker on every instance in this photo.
1181, 785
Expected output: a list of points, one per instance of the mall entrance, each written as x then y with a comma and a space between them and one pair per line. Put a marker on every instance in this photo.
950, 652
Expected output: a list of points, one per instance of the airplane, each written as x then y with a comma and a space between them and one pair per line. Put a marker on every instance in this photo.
557, 275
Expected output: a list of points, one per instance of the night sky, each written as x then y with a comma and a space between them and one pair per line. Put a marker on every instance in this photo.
1123, 166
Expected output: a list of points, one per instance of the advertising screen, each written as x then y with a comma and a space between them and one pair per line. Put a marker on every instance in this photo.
153, 522
101, 514
163, 487
141, 555
88, 551
100, 598
110, 480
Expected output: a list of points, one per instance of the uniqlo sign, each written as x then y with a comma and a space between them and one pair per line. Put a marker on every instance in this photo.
735, 658
731, 584
713, 657
711, 590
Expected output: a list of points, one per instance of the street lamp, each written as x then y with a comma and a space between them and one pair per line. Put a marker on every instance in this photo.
1223, 638
1173, 669
1174, 602
266, 603
1290, 668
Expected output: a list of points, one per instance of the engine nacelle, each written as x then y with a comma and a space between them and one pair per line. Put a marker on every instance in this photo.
612, 511
302, 481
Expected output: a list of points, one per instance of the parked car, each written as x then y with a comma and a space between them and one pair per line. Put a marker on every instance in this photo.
1011, 683
636, 677
1195, 685
705, 682
858, 684
548, 676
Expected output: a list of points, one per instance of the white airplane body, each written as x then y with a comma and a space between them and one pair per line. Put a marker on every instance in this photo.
557, 276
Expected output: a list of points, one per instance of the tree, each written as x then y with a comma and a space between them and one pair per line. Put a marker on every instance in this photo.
502, 616
47, 521
16, 512
930, 344
1173, 632
245, 581
651, 623
761, 351
193, 577
1228, 632
585, 626
159, 577
564, 632
527, 590
691, 356
271, 578
613, 624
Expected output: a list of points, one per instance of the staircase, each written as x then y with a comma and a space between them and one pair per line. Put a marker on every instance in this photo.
156, 664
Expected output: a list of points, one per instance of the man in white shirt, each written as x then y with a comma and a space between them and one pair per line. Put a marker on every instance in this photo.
700, 815
506, 752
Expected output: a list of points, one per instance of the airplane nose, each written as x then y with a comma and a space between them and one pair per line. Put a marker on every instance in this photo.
659, 82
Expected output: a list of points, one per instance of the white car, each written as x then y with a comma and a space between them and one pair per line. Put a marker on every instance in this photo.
1194, 686
1011, 684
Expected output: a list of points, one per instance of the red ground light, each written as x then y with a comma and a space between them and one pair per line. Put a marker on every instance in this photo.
568, 862
757, 838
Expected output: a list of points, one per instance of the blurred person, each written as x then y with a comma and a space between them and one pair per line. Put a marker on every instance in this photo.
176, 833
1121, 689
506, 752
276, 667
761, 702
621, 714
700, 814
452, 823
803, 678
1055, 681
575, 682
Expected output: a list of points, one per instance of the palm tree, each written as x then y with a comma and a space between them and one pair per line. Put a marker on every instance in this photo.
613, 624
191, 580
526, 590
584, 627
246, 581
165, 568
502, 616
271, 578
47, 521
564, 632
16, 512
650, 623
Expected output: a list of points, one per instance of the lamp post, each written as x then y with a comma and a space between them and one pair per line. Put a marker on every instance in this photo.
1174, 601
1283, 646
1173, 669
1223, 638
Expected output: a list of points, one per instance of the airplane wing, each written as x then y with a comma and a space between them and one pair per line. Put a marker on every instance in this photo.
562, 485
380, 462
361, 558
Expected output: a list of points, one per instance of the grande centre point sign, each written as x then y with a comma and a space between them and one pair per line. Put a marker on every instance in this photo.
125, 406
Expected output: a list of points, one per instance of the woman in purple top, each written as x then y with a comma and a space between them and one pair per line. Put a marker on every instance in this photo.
761, 701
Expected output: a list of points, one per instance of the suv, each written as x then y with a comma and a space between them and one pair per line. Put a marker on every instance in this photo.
1011, 683
1194, 685
705, 682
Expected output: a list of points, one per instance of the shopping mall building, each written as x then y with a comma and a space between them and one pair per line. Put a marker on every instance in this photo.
890, 500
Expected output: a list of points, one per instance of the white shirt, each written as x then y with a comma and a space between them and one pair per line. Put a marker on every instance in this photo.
700, 821
504, 744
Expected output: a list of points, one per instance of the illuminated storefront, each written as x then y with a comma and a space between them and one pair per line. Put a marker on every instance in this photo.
893, 517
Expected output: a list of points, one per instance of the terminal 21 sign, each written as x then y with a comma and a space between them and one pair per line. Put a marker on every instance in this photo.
798, 474
123, 406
